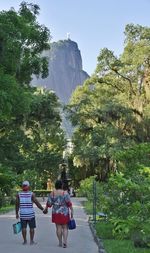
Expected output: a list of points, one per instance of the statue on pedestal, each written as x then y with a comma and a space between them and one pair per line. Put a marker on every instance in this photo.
49, 185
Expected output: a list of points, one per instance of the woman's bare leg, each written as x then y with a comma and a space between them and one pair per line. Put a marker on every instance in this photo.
59, 233
65, 234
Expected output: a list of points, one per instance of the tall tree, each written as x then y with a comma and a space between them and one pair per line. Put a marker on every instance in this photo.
22, 41
30, 125
111, 110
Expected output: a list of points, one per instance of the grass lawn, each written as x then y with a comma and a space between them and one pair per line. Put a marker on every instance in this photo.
6, 209
111, 245
124, 246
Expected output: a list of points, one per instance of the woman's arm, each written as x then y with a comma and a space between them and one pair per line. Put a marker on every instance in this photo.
48, 204
71, 213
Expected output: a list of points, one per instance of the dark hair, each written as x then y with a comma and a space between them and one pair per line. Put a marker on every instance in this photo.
58, 185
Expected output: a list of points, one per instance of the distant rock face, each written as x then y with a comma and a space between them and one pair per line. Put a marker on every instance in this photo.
65, 69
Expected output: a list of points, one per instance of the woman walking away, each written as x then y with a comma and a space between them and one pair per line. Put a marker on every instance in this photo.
62, 211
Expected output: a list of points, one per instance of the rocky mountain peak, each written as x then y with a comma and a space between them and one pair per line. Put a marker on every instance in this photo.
65, 69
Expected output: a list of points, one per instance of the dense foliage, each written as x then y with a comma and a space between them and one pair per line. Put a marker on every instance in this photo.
111, 115
111, 111
31, 138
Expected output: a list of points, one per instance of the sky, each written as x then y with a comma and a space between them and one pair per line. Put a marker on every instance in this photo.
93, 24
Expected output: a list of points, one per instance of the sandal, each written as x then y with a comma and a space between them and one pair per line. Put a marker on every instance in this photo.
64, 245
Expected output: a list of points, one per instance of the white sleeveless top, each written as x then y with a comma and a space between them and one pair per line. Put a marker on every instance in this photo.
26, 206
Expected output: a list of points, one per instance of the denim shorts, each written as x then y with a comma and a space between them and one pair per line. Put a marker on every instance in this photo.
32, 223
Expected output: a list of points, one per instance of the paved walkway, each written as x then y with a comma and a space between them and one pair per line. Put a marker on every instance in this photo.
80, 240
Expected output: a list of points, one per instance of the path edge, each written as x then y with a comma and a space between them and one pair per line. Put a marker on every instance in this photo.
96, 238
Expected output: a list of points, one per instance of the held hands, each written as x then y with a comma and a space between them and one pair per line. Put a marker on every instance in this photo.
45, 211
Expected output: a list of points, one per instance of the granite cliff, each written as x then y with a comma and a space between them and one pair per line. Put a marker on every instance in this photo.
65, 69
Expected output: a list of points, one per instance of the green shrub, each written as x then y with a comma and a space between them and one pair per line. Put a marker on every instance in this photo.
128, 207
86, 188
41, 193
122, 246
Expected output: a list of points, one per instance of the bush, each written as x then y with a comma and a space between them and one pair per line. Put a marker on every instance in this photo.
41, 193
127, 206
86, 188
1, 199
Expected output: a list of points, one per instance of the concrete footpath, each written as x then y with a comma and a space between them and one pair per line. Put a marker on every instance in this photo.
80, 240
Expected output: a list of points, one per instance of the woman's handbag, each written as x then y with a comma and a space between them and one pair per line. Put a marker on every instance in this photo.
71, 224
17, 227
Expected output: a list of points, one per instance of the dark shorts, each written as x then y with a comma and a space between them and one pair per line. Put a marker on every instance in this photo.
32, 223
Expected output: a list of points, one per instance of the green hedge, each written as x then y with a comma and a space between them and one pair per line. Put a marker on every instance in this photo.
41, 193
6, 209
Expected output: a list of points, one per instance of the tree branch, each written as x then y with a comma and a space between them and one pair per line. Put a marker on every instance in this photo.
110, 84
126, 78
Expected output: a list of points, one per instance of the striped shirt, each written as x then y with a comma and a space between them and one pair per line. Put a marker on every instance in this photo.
26, 206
